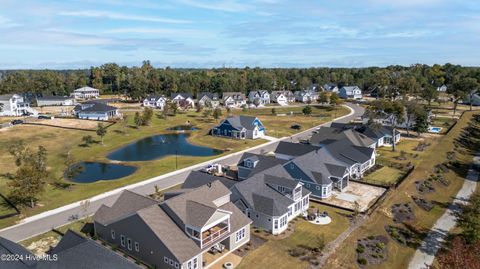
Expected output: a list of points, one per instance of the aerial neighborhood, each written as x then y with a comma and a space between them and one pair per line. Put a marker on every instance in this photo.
221, 179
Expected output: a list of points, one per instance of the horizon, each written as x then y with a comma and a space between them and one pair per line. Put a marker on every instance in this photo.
63, 35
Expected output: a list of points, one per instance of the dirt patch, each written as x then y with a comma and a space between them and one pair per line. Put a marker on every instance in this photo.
421, 146
254, 243
423, 203
402, 212
371, 250
70, 123
365, 195
43, 245
424, 186
403, 236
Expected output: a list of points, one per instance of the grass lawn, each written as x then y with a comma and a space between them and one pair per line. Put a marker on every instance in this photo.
444, 122
385, 175
398, 255
274, 253
279, 126
387, 156
60, 142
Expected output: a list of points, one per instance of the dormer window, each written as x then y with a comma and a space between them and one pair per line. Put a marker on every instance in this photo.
248, 164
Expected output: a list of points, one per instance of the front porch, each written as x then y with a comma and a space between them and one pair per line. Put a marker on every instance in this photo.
211, 235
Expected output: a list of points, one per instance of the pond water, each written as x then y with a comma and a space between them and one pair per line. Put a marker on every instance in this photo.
183, 128
159, 146
95, 171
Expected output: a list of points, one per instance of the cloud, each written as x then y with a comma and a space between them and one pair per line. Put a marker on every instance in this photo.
228, 6
7, 23
171, 32
119, 16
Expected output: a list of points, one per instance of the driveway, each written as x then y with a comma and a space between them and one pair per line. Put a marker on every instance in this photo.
45, 221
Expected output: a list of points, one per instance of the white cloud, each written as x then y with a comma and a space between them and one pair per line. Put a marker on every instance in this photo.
119, 16
228, 6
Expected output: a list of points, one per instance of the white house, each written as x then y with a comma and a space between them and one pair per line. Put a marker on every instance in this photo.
86, 93
234, 99
208, 99
14, 105
442, 88
155, 101
262, 96
279, 97
350, 92
306, 96
330, 87
183, 100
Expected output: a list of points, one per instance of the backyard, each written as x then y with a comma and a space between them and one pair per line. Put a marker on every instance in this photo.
276, 253
419, 220
61, 142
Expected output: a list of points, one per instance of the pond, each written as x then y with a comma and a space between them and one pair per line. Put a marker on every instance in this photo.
183, 128
94, 171
159, 146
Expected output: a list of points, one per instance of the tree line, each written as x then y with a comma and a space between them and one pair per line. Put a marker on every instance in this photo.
138, 82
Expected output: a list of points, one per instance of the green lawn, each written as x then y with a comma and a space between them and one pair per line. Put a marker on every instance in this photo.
385, 175
398, 255
274, 253
60, 142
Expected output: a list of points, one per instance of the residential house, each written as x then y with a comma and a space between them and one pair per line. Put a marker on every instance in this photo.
73, 252
330, 87
260, 97
442, 88
14, 105
279, 97
327, 135
383, 135
155, 101
234, 99
178, 232
55, 101
475, 99
306, 96
208, 99
86, 93
350, 92
314, 87
240, 127
95, 111
183, 100
251, 164
271, 199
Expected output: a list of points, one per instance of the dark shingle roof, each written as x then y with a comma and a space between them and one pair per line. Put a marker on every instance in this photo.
183, 94
8, 247
198, 214
210, 95
241, 121
264, 162
127, 203
294, 149
54, 98
327, 135
94, 107
196, 179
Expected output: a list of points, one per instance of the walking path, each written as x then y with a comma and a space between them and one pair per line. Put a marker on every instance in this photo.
425, 255
44, 222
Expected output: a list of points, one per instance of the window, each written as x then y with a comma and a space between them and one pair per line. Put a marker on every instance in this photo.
112, 232
318, 188
240, 235
129, 244
275, 224
137, 247
122, 240
172, 263
248, 163
165, 259
308, 185
195, 263
176, 264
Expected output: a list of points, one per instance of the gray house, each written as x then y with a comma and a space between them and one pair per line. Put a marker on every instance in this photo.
260, 96
383, 135
208, 99
72, 252
350, 92
95, 111
177, 232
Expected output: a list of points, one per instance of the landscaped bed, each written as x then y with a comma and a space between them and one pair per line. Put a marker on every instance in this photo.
371, 250
402, 212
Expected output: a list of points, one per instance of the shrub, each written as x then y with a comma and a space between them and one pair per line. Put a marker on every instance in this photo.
360, 249
362, 261
297, 252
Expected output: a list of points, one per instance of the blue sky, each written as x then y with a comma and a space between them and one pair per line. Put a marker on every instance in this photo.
236, 33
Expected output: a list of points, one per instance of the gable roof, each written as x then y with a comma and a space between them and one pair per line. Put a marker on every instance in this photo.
264, 162
8, 247
197, 179
294, 149
210, 95
126, 204
235, 95
349, 153
94, 107
239, 122
183, 94
327, 135
85, 89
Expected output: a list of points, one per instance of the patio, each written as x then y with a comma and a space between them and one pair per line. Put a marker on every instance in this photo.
363, 194
216, 261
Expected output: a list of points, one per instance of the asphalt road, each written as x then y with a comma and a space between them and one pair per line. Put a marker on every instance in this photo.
46, 221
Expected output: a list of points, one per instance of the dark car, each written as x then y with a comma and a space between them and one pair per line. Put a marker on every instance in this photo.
15, 122
296, 127
45, 117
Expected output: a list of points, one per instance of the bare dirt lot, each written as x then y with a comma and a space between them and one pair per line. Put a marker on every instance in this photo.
70, 123
55, 110
363, 194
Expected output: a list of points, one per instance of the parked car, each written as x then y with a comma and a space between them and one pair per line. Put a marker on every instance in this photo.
46, 117
15, 122
296, 127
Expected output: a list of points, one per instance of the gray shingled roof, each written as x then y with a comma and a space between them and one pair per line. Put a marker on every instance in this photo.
54, 98
196, 179
327, 135
127, 203
8, 247
241, 121
347, 152
212, 96
183, 94
264, 162
294, 149
95, 107
280, 181
198, 214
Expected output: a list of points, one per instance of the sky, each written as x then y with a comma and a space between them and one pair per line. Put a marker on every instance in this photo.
70, 34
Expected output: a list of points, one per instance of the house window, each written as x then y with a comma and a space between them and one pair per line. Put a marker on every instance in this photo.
112, 232
324, 191
129, 244
176, 264
165, 259
122, 240
172, 263
248, 163
137, 247
318, 188
240, 235
275, 224
195, 263
308, 185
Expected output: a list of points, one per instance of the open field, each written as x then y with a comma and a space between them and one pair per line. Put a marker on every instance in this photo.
385, 175
72, 123
54, 109
60, 142
275, 252
400, 255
